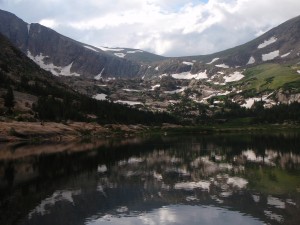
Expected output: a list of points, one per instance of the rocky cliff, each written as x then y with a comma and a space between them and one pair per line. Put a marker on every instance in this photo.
61, 55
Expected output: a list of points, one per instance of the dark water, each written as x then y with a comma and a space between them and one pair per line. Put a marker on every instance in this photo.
220, 179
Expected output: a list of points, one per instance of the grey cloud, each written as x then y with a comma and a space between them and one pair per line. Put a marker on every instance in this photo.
234, 22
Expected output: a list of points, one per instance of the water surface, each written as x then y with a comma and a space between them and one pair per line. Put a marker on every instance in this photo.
195, 179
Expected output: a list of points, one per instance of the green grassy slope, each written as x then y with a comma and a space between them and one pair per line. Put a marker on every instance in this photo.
271, 77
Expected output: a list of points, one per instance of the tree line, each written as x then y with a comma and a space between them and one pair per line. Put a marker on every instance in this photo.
279, 113
59, 103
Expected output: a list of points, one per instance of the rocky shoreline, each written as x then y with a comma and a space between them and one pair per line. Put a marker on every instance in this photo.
36, 131
15, 131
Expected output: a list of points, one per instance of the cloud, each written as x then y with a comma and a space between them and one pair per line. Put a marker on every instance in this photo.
48, 23
168, 27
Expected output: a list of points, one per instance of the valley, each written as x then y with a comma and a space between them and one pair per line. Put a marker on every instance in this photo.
102, 129
271, 83
244, 82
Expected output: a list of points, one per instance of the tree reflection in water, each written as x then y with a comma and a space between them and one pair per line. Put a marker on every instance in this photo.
241, 179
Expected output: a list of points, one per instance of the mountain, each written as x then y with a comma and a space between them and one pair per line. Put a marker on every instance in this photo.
64, 56
265, 70
38, 95
279, 45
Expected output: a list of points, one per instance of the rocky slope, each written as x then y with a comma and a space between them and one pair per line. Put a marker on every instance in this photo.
38, 95
279, 45
64, 56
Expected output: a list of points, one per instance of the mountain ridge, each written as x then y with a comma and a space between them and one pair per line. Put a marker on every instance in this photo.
49, 47
38, 96
64, 56
265, 70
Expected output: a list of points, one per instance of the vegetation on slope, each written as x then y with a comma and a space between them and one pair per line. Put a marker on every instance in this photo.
56, 101
271, 77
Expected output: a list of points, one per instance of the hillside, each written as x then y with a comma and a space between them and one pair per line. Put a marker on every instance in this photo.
63, 56
40, 96
279, 45
265, 70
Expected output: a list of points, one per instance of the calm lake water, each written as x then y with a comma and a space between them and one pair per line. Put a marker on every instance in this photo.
192, 179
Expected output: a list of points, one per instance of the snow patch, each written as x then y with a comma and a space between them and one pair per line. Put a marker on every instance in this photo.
236, 76
39, 59
217, 102
121, 55
218, 83
188, 63
250, 155
133, 51
99, 76
66, 71
189, 76
102, 169
132, 90
132, 103
285, 55
251, 60
237, 182
223, 93
212, 61
256, 198
163, 75
154, 87
134, 160
111, 49
222, 66
28, 28
250, 101
191, 198
122, 209
55, 70
100, 97
267, 42
276, 202
90, 48
270, 56
156, 68
157, 176
290, 201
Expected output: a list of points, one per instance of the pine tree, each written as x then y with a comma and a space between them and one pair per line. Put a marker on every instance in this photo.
9, 98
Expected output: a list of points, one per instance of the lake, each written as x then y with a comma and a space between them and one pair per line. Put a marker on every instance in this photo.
187, 179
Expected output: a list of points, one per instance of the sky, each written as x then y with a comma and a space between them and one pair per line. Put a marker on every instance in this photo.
164, 27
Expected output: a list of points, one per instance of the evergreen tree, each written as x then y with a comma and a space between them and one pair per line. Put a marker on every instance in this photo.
9, 98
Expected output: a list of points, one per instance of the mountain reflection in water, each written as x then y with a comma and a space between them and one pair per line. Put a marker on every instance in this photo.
218, 179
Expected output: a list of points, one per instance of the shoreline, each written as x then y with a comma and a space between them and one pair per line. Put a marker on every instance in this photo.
15, 131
